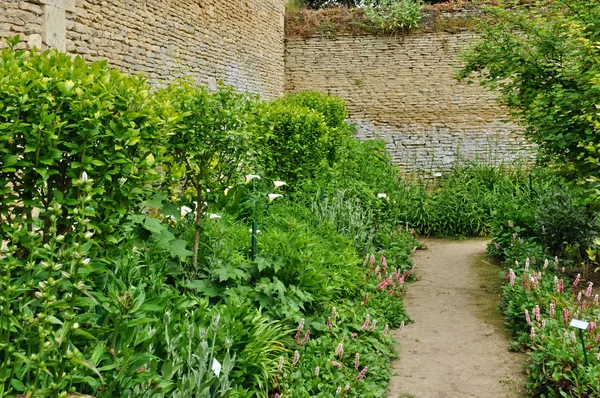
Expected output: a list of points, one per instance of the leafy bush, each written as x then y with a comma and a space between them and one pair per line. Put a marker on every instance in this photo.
291, 142
61, 117
210, 143
334, 113
561, 223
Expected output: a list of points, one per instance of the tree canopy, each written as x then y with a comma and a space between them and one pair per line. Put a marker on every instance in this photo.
544, 59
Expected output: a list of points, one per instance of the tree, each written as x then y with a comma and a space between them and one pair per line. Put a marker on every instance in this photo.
544, 59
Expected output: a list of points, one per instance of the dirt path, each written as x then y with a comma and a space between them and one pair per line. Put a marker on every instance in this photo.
457, 346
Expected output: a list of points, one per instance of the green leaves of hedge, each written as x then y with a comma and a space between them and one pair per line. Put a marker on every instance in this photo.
60, 117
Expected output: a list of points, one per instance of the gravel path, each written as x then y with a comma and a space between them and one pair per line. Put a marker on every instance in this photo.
457, 346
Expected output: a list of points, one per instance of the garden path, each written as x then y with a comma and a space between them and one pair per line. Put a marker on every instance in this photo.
457, 346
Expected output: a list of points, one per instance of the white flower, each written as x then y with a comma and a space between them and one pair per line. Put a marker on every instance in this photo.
273, 196
85, 261
214, 216
381, 195
84, 177
185, 211
250, 177
89, 235
227, 190
279, 184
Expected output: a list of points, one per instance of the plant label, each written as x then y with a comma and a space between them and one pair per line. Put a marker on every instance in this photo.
216, 367
576, 323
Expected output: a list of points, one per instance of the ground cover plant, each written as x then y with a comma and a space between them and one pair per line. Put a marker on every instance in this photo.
151, 247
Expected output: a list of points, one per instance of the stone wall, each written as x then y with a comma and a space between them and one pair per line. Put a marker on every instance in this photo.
402, 89
237, 41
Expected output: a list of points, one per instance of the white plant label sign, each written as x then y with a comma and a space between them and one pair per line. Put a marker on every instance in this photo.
576, 323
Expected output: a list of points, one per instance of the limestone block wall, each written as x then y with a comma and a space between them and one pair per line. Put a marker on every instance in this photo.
402, 89
240, 42
22, 18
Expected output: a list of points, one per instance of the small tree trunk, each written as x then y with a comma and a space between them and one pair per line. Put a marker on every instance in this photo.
197, 224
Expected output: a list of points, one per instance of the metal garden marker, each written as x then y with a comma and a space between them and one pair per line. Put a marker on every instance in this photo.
254, 229
581, 325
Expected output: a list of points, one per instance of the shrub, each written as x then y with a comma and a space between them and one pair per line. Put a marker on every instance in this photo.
560, 223
210, 142
334, 113
61, 117
291, 142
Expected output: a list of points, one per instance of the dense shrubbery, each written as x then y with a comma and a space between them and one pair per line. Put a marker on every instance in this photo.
138, 271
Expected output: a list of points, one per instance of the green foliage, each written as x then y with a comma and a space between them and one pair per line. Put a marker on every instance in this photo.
60, 117
334, 114
96, 294
545, 61
562, 223
393, 15
291, 142
210, 143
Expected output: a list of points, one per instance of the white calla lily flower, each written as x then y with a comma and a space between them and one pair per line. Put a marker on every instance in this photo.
226, 191
214, 216
279, 184
381, 195
251, 177
273, 196
185, 211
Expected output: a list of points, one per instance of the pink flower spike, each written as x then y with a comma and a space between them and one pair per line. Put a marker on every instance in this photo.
336, 364
334, 313
365, 325
362, 374
588, 292
373, 325
354, 335
512, 277
579, 295
577, 279
296, 358
592, 327
532, 334
306, 336
300, 327
552, 308
536, 312
371, 261
276, 395
561, 286
386, 328
356, 360
545, 264
280, 366
566, 316
347, 387
527, 318
329, 325
339, 351
338, 391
